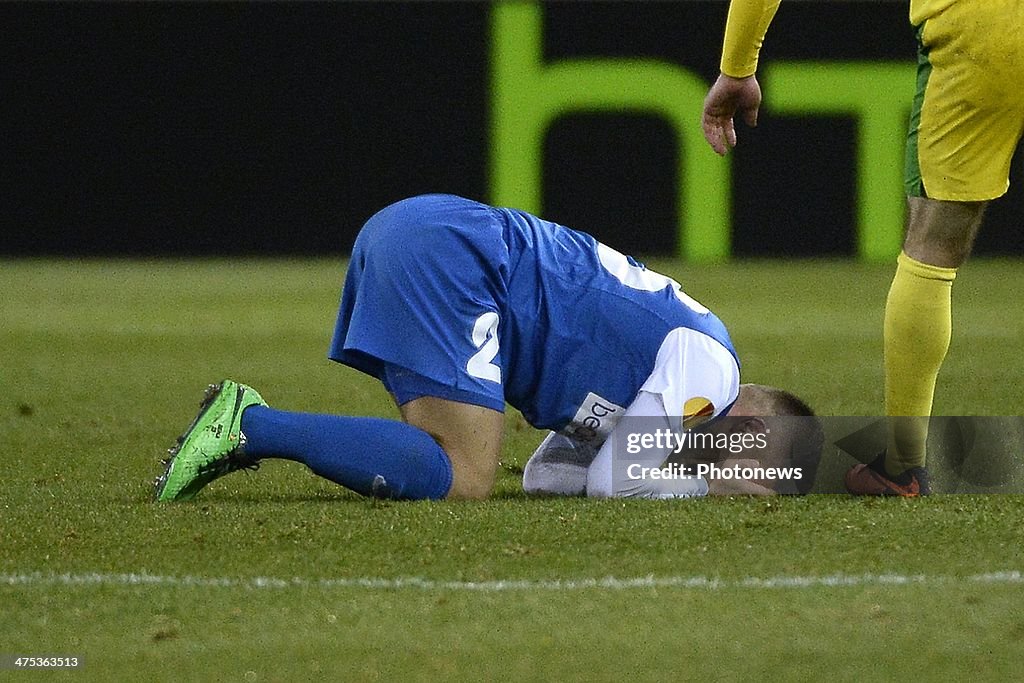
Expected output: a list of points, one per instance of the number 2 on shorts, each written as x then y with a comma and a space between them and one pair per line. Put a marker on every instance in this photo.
485, 338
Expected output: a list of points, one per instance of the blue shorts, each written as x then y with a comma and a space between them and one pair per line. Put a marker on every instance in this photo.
424, 299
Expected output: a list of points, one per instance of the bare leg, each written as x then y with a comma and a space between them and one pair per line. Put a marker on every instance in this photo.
469, 434
942, 233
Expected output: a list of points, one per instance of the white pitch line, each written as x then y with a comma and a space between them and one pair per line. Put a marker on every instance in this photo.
498, 586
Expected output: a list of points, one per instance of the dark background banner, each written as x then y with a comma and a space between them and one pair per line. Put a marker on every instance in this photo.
279, 128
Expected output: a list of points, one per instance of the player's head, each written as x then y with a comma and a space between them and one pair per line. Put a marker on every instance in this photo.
793, 435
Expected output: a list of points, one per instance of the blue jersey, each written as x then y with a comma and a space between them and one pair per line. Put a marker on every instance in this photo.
495, 304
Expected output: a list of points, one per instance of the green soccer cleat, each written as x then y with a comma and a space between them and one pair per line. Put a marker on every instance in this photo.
212, 446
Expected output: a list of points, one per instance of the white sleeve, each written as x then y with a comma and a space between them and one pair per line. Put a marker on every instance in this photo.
608, 475
693, 374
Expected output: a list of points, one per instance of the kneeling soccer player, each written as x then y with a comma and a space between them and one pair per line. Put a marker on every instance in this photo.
459, 308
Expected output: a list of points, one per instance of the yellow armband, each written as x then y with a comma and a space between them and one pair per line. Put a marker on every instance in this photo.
744, 32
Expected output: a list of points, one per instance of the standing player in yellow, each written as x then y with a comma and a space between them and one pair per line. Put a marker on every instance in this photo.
966, 122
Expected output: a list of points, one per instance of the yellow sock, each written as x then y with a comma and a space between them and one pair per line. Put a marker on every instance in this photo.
918, 325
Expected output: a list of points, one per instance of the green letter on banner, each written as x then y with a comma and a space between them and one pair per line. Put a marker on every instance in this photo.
878, 95
528, 95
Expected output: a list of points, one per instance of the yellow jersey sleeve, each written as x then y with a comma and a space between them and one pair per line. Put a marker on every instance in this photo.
744, 32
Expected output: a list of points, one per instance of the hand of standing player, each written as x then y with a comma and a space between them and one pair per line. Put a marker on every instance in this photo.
727, 97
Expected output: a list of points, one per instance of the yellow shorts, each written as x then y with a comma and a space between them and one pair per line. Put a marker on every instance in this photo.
968, 114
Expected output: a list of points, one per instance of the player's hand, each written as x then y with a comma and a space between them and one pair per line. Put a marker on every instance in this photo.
727, 97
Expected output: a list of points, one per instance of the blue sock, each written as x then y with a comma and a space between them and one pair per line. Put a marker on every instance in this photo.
371, 456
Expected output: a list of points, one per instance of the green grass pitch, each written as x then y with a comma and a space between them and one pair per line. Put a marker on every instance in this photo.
279, 576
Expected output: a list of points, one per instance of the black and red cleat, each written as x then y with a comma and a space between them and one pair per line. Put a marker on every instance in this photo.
872, 480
